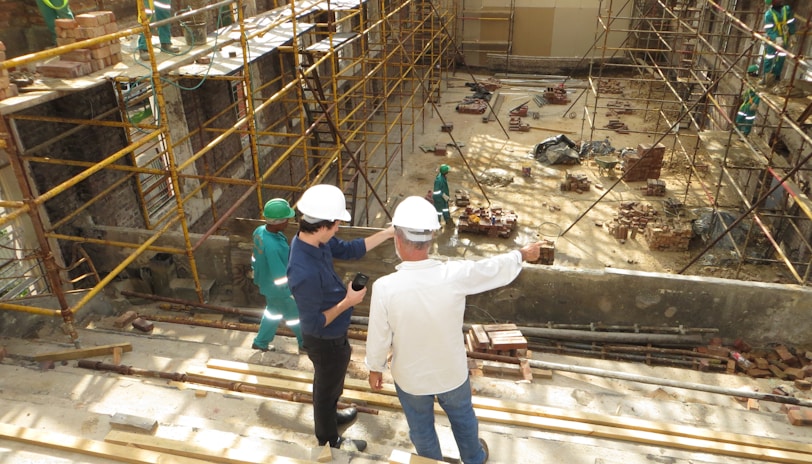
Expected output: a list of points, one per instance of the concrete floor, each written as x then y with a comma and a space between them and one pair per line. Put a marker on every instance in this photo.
80, 402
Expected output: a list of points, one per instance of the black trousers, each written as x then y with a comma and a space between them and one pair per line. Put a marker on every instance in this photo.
330, 358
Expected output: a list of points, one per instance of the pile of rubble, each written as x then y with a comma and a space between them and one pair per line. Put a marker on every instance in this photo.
577, 183
632, 217
669, 235
493, 222
471, 105
556, 95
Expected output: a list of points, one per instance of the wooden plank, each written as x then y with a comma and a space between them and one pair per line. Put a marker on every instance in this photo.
505, 344
89, 447
485, 403
82, 353
402, 457
301, 376
236, 450
505, 333
649, 438
497, 327
480, 336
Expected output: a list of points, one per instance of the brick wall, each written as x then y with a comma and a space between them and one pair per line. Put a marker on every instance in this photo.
89, 144
207, 101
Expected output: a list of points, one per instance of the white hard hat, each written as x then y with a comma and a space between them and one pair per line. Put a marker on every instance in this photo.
323, 202
417, 216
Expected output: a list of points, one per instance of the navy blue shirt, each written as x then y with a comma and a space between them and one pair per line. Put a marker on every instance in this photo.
315, 285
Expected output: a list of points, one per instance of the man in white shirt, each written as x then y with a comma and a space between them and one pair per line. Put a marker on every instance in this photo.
417, 314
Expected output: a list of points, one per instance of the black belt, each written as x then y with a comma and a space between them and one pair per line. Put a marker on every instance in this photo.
320, 340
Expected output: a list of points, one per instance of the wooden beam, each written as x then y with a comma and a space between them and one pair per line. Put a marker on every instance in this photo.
229, 451
88, 447
82, 352
485, 403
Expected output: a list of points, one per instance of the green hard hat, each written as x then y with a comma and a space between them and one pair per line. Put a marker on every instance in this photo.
768, 2
278, 208
753, 68
444, 168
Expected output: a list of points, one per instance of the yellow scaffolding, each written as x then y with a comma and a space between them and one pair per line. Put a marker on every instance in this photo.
321, 91
689, 62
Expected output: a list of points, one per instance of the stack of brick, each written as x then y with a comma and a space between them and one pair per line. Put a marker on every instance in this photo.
516, 124
7, 88
84, 60
575, 183
632, 218
670, 236
501, 339
547, 252
645, 164
655, 188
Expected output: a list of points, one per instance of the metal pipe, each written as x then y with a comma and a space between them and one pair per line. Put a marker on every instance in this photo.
667, 382
222, 309
218, 383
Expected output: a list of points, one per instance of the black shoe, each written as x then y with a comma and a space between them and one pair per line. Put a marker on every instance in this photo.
348, 444
254, 346
484, 448
347, 415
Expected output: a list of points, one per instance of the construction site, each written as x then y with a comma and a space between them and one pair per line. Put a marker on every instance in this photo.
646, 143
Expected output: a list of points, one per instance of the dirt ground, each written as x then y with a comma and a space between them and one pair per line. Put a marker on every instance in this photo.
490, 168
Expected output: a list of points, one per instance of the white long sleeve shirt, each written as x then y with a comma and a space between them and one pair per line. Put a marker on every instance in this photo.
417, 314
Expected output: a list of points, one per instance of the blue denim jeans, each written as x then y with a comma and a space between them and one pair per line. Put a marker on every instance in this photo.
419, 411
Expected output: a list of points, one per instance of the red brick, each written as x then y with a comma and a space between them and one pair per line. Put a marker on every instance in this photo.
110, 28
100, 53
93, 19
81, 54
800, 416
66, 24
62, 69
143, 325
64, 41
124, 319
90, 32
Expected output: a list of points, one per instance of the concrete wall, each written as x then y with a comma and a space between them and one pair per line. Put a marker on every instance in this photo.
533, 28
759, 313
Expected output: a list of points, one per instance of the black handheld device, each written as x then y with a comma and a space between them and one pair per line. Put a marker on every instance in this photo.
360, 281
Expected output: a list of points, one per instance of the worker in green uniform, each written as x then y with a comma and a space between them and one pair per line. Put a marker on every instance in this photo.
440, 195
51, 10
269, 261
157, 10
747, 111
780, 27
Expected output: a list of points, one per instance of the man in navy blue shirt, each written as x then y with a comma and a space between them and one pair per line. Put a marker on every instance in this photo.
325, 303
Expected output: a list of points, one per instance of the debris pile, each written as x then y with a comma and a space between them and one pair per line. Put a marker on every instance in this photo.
668, 236
655, 188
618, 107
645, 164
618, 126
493, 222
632, 217
609, 86
516, 124
557, 150
577, 183
520, 110
83, 61
470, 105
556, 95
461, 198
